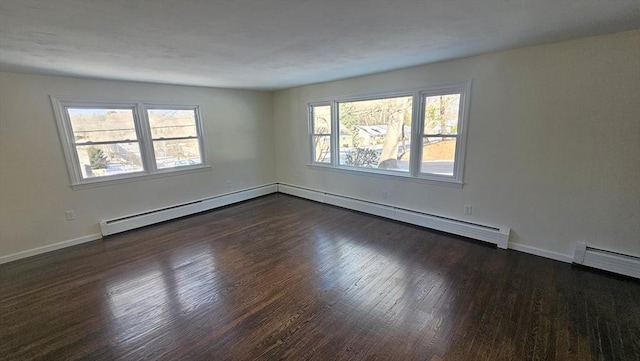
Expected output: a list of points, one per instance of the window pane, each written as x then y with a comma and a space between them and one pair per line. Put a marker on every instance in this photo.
172, 123
376, 133
441, 114
100, 125
438, 155
321, 119
109, 159
322, 148
176, 153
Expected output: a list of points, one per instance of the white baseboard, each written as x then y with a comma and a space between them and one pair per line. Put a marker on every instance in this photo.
621, 263
48, 248
207, 204
129, 222
410, 217
541, 252
492, 234
500, 236
305, 193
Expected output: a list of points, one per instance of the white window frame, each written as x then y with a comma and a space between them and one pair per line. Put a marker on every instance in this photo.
312, 133
143, 134
417, 128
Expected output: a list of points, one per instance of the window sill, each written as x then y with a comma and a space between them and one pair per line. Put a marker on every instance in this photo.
93, 183
389, 175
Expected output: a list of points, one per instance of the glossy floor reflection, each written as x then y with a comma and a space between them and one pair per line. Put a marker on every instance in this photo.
284, 278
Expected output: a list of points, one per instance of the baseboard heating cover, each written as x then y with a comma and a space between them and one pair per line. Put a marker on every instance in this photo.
121, 224
496, 235
624, 264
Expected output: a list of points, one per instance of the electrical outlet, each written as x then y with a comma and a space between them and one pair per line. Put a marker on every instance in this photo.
70, 215
467, 210
383, 195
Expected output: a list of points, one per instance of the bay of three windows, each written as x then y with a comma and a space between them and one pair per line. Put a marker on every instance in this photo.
414, 134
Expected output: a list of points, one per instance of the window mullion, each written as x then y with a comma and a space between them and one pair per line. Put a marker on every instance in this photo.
335, 134
310, 126
144, 139
201, 136
417, 124
461, 141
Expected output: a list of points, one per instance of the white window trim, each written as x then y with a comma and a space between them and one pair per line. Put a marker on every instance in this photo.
144, 140
312, 133
417, 126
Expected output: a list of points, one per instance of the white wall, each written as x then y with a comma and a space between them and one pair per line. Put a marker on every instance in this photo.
34, 182
553, 148
553, 145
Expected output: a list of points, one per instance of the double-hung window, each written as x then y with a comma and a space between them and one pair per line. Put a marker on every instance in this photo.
417, 134
441, 124
320, 125
174, 135
111, 141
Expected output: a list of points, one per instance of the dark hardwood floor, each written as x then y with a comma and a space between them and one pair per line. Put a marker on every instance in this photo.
285, 278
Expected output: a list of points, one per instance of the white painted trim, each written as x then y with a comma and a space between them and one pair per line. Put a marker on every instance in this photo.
412, 217
624, 264
133, 221
212, 202
301, 192
389, 175
143, 177
496, 235
49, 248
314, 195
461, 138
417, 114
375, 208
578, 255
361, 206
567, 258
311, 128
143, 133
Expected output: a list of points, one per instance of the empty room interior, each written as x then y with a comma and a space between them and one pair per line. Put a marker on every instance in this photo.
319, 180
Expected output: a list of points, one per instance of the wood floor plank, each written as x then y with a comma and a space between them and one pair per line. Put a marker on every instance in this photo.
284, 278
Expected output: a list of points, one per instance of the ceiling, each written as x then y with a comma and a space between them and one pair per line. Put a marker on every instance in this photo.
274, 44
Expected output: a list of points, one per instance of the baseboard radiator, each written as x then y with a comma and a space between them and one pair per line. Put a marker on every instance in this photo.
495, 235
624, 264
121, 224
